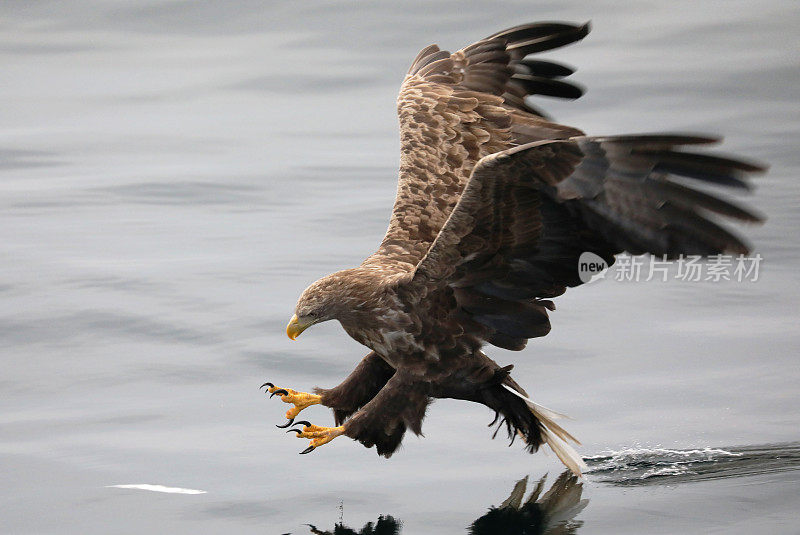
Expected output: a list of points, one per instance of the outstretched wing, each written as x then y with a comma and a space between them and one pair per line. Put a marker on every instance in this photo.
455, 109
527, 214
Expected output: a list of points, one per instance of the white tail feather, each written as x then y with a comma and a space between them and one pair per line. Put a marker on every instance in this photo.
565, 452
554, 435
541, 409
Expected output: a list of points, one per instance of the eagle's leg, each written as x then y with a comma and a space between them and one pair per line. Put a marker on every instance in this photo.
400, 405
354, 392
363, 384
382, 422
300, 400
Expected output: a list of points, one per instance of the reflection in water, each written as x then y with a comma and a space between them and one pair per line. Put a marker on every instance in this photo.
660, 466
552, 513
386, 525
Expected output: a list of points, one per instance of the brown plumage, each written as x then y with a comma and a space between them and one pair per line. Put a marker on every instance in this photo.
495, 203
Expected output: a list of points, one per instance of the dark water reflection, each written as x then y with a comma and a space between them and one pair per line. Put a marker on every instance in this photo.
543, 512
385, 525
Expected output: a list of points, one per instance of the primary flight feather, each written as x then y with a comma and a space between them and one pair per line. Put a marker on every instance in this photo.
495, 204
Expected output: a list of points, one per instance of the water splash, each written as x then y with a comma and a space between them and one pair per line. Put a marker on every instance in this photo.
662, 466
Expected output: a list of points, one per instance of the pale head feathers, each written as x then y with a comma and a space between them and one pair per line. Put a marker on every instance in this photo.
345, 296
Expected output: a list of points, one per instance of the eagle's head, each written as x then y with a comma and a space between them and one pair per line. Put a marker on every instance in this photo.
338, 296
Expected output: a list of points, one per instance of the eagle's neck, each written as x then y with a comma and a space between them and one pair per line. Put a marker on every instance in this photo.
373, 314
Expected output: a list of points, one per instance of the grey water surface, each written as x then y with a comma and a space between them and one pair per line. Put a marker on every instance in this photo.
173, 174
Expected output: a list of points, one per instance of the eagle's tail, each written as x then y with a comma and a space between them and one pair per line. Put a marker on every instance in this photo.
553, 434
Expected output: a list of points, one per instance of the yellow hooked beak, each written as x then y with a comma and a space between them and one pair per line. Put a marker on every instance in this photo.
296, 326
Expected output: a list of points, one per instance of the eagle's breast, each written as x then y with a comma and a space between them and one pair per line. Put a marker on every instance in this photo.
388, 329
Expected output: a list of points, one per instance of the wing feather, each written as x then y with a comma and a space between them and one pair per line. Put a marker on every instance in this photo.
528, 213
454, 109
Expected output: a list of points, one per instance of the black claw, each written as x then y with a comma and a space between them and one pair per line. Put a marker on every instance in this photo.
307, 450
304, 422
270, 385
298, 431
280, 392
287, 424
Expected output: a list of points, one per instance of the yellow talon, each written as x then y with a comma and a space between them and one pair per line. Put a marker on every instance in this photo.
318, 435
300, 400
